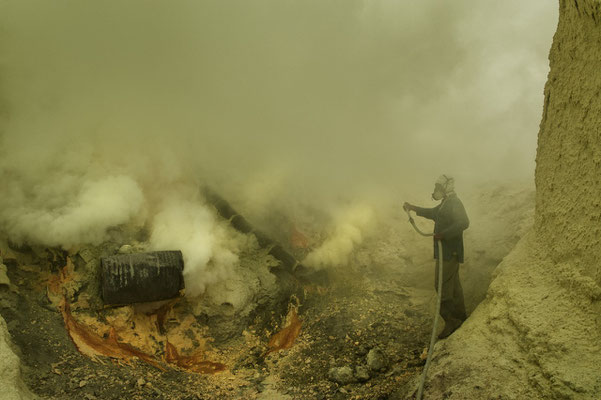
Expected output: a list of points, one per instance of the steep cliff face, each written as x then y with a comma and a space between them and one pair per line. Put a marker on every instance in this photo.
568, 203
538, 333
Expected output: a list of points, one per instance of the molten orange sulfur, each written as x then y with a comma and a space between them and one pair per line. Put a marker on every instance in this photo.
285, 338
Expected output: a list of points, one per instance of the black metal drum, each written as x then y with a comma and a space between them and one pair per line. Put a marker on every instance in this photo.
142, 277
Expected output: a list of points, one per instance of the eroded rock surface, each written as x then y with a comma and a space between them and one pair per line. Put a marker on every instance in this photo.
10, 369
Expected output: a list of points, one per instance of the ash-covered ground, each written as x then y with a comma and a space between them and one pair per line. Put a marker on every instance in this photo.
364, 325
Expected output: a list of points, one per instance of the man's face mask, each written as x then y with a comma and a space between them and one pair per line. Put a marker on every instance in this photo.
438, 193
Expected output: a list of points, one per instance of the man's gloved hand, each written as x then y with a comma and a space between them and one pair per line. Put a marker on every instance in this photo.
438, 236
408, 207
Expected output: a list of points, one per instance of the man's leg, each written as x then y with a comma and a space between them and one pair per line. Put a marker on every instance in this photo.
458, 302
447, 302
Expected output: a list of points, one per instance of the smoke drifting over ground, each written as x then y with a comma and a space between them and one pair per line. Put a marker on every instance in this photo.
113, 112
185, 224
350, 226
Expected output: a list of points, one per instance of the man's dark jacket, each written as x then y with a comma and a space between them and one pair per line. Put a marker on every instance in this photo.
450, 220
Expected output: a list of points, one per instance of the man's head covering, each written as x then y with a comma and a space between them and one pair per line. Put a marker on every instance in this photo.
447, 184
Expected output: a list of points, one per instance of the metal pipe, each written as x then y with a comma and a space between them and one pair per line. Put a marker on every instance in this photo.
238, 222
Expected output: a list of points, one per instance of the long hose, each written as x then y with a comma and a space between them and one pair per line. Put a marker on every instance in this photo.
422, 381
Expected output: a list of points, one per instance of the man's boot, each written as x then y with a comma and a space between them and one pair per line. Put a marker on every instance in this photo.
450, 326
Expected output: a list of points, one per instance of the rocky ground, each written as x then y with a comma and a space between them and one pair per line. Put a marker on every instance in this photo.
367, 323
362, 328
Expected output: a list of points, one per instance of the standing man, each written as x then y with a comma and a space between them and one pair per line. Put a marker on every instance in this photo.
450, 220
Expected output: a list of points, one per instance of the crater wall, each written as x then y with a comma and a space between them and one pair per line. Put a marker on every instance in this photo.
537, 334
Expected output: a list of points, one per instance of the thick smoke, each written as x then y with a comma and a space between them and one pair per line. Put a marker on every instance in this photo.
84, 218
350, 225
110, 108
184, 223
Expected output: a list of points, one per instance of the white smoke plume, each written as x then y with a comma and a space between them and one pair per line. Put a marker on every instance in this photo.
83, 216
185, 224
350, 227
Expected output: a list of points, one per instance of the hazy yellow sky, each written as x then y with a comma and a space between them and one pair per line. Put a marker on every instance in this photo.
339, 96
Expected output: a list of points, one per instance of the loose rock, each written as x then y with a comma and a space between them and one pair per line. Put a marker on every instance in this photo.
341, 375
361, 373
376, 360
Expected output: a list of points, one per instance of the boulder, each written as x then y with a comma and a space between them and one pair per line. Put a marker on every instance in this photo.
376, 360
341, 375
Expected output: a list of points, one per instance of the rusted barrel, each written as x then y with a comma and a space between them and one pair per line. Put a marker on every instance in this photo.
141, 277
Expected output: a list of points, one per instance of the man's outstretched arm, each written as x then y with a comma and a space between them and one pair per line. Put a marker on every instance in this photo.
429, 213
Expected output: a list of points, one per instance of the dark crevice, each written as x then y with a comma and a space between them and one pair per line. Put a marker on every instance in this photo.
546, 109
